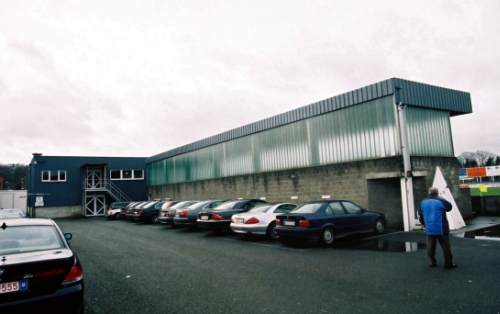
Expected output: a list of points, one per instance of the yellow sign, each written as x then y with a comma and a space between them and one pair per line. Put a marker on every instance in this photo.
483, 188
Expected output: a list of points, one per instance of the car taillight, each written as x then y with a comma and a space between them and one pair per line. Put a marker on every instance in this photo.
183, 213
75, 274
217, 217
304, 223
50, 272
251, 221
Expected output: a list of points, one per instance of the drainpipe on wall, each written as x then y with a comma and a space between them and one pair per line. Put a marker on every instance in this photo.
407, 198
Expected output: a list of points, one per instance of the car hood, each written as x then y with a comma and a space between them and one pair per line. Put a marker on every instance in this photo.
29, 257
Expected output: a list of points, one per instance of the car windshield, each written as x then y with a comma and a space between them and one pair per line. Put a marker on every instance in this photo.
22, 239
226, 205
260, 209
308, 208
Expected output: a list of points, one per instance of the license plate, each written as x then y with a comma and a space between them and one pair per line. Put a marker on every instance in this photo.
204, 217
240, 220
289, 223
163, 214
13, 286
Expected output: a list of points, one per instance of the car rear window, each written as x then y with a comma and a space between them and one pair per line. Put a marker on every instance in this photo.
116, 205
260, 209
198, 205
308, 208
22, 239
182, 204
226, 205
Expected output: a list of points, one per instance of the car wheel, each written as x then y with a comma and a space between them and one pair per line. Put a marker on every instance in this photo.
154, 219
271, 231
379, 226
328, 236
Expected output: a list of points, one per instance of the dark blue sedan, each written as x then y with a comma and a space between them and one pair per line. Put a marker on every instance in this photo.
328, 220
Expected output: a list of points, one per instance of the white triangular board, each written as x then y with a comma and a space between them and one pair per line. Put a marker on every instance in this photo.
455, 219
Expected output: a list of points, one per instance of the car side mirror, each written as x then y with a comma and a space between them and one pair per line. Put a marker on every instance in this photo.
68, 236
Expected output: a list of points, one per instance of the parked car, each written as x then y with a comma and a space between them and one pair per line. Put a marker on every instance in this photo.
167, 215
148, 212
188, 216
328, 221
115, 209
219, 218
11, 213
129, 212
260, 220
39, 273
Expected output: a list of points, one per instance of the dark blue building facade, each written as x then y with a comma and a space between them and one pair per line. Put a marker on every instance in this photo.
62, 186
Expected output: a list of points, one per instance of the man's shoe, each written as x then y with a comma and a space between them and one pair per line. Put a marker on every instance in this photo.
450, 266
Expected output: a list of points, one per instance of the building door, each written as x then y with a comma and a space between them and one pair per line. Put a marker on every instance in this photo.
95, 205
94, 178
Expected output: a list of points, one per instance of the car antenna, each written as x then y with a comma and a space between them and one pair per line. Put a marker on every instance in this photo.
4, 226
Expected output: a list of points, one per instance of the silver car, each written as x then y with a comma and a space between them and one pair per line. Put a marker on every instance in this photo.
260, 220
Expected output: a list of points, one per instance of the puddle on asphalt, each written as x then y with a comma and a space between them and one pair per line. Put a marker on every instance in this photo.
381, 244
489, 233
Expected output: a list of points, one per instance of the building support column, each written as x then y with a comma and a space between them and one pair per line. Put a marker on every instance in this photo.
407, 198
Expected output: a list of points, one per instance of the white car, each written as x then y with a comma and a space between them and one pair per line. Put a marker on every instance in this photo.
260, 220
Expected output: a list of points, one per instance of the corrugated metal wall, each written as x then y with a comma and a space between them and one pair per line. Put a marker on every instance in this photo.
356, 133
429, 132
362, 132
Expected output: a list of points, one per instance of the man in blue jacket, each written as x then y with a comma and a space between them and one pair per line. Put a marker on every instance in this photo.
432, 214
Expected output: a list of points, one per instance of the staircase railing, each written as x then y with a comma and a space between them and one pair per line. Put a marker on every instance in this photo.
108, 186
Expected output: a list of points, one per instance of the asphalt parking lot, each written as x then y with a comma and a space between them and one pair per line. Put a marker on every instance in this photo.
140, 268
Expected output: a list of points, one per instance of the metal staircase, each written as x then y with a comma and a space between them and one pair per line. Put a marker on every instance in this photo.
94, 196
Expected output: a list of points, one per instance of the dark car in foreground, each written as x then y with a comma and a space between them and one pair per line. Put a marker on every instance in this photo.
328, 221
189, 215
219, 218
39, 273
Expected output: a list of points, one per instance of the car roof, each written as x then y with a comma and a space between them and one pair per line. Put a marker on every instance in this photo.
27, 222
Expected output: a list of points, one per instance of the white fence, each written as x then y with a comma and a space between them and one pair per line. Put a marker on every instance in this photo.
14, 199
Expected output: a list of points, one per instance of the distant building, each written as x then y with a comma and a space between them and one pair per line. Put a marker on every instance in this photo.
62, 186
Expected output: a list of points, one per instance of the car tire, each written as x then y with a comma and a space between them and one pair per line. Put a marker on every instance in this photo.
379, 226
328, 236
154, 219
271, 231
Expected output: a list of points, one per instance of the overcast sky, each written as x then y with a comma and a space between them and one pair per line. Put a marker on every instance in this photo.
134, 78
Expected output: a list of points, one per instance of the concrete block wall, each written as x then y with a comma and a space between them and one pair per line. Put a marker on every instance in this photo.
341, 181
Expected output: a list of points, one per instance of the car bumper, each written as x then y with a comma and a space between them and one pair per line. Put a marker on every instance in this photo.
213, 224
297, 233
166, 220
184, 221
252, 229
65, 300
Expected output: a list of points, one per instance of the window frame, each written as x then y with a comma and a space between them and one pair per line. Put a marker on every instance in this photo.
132, 172
50, 173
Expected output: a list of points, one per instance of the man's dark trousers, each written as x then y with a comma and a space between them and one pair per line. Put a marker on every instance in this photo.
444, 242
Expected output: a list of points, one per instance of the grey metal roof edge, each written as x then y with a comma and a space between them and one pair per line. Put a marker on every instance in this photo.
408, 90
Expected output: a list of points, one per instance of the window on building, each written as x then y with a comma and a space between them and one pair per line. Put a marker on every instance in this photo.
115, 175
138, 174
53, 175
127, 174
45, 175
